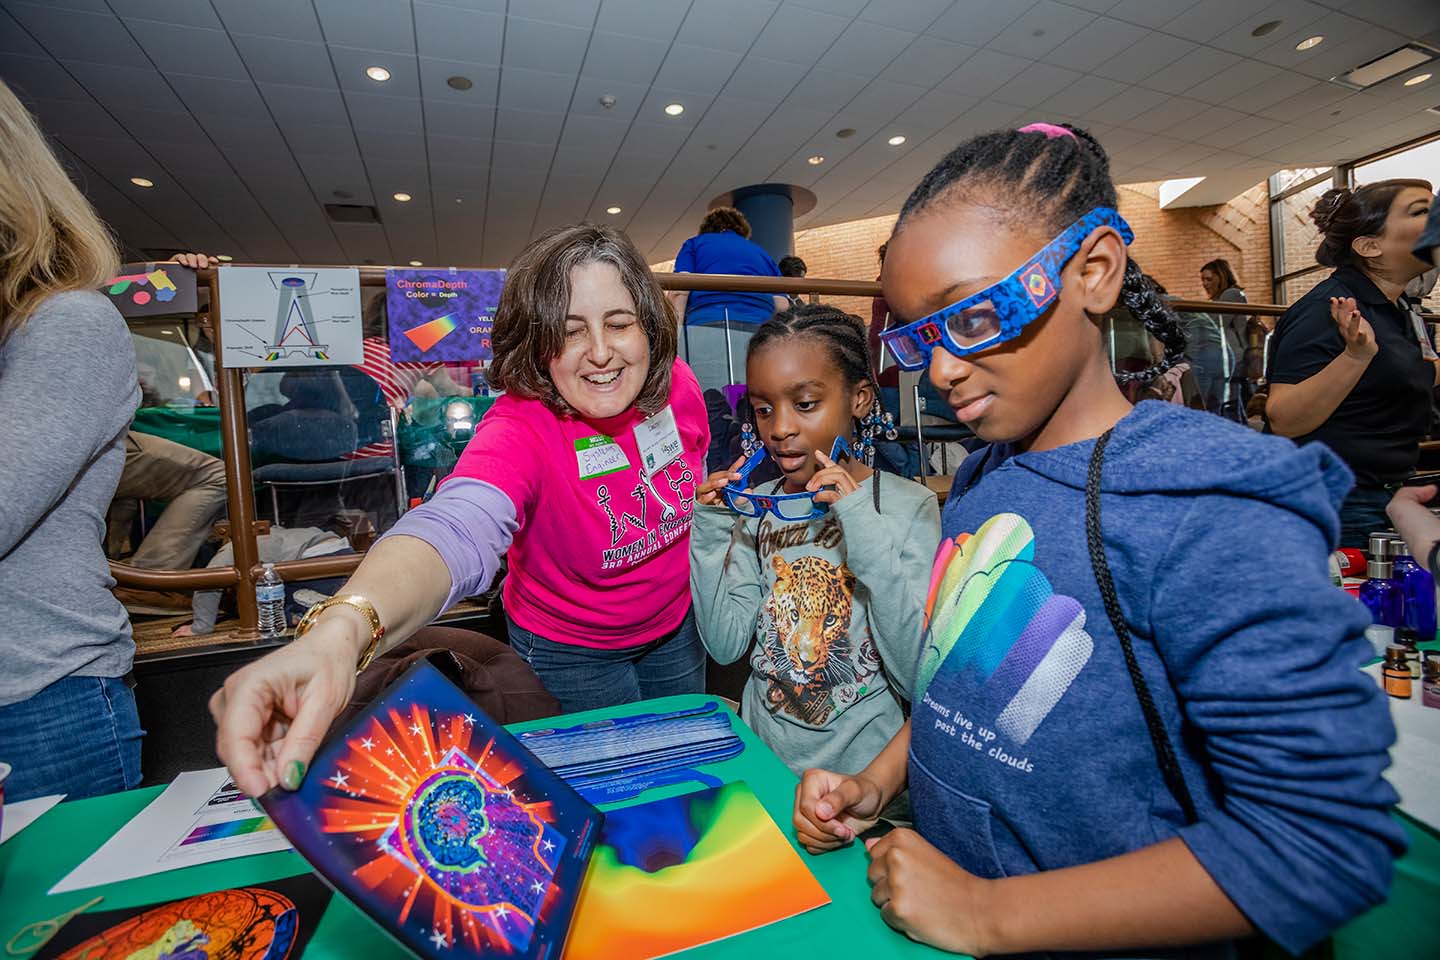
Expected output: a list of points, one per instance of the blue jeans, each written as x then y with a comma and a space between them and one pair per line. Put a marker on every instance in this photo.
1362, 514
79, 736
587, 678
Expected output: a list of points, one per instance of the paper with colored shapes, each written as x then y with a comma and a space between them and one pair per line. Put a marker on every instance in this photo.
200, 818
685, 871
441, 315
441, 827
264, 921
290, 317
152, 290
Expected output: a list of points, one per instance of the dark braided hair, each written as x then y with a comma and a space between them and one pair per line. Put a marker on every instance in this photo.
1052, 180
843, 334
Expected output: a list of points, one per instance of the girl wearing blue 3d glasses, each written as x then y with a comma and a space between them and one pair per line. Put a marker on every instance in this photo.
823, 569
1119, 742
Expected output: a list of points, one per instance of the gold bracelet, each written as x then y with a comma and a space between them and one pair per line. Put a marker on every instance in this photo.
366, 608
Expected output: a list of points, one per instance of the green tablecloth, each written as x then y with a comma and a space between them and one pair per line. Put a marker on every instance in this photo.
36, 859
194, 427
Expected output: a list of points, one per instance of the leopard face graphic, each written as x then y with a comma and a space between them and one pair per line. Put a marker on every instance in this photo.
808, 655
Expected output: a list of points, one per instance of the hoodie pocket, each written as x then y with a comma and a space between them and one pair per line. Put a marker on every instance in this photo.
959, 825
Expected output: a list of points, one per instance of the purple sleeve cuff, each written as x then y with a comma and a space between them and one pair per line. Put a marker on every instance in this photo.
470, 523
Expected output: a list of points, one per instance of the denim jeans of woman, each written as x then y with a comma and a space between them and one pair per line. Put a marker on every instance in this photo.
79, 736
587, 678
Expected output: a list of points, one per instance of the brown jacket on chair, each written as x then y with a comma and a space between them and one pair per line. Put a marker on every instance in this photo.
490, 673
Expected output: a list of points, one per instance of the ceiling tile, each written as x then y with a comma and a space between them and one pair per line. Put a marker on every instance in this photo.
535, 90
1228, 85
445, 118
798, 35
272, 60
15, 39
732, 25
1223, 23
1036, 84
984, 73
32, 77
881, 101
573, 13
194, 14
434, 85
395, 114
284, 19
191, 51
385, 145
70, 118
935, 110
653, 109
867, 48
912, 15
121, 87
927, 61
697, 69
641, 18
527, 126
1041, 29
825, 90
654, 138
161, 126
764, 81
1170, 116
1083, 95
522, 156
1272, 91
310, 138
1194, 68
304, 104
466, 36
1098, 42
536, 45
89, 37
1153, 53
381, 25
977, 22
614, 56
1130, 102
1148, 13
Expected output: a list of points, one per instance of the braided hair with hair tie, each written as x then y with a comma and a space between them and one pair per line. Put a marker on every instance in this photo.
1039, 176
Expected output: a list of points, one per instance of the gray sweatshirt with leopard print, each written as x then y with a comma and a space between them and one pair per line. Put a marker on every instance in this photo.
830, 611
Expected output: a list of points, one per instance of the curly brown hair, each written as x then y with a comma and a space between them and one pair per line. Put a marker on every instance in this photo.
725, 218
529, 327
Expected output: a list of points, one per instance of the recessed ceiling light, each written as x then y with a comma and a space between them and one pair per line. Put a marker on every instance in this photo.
416, 263
1265, 28
674, 109
1418, 79
815, 161
896, 140
1309, 42
378, 74
845, 132
142, 182
224, 257
403, 197
612, 210
460, 83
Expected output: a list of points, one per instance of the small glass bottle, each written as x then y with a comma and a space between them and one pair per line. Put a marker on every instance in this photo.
1419, 589
1382, 595
1430, 684
1396, 673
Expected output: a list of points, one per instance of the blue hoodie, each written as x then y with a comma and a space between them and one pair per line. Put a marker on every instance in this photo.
1029, 750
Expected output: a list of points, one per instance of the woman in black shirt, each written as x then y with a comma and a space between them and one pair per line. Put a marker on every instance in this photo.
1348, 363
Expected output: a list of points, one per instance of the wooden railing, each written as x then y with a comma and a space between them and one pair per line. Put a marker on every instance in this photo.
234, 435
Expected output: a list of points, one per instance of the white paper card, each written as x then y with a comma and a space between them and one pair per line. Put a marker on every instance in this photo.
659, 442
22, 813
200, 818
290, 317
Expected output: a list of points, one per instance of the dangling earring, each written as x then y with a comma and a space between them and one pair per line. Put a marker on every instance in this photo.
749, 443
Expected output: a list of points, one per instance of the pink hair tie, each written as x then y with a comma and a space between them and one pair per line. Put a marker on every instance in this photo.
1049, 129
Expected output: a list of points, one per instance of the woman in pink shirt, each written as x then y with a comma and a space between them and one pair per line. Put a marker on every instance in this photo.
585, 471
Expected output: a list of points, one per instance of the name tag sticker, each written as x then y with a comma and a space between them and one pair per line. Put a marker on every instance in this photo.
598, 456
659, 442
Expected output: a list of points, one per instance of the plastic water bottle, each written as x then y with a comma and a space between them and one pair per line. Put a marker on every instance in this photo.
270, 599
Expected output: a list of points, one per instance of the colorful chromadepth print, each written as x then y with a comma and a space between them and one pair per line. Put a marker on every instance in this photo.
687, 870
441, 827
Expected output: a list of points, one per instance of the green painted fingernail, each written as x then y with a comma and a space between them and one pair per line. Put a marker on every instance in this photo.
294, 773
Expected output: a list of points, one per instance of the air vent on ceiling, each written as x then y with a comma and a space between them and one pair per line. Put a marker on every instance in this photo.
352, 213
1384, 67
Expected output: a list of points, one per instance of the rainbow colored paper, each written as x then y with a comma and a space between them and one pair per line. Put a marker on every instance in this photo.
427, 335
687, 870
441, 827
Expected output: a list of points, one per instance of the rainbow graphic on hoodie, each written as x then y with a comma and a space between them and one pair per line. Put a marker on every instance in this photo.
992, 614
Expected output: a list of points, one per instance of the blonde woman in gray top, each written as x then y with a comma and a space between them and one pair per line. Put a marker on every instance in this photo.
68, 722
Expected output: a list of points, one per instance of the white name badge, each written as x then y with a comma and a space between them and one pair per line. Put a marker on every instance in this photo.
598, 456
659, 442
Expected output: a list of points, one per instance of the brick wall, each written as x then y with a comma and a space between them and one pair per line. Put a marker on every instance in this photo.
1171, 245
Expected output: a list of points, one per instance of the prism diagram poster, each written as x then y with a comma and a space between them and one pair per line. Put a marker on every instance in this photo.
441, 315
290, 316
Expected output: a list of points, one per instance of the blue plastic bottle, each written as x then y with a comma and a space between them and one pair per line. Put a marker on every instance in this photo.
1418, 588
